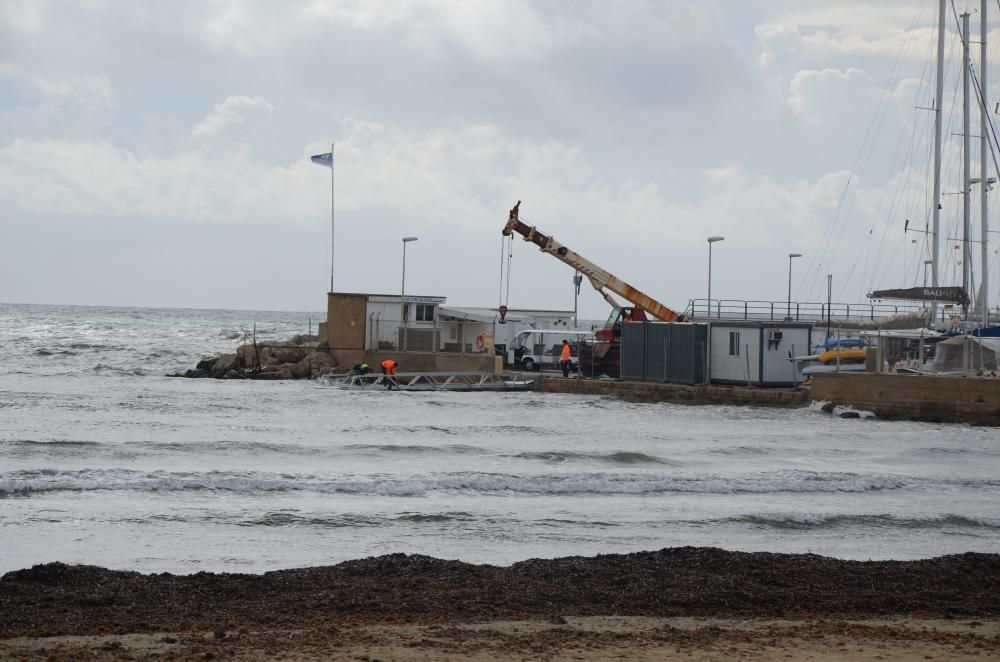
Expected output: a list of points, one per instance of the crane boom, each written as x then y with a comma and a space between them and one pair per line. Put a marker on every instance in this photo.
599, 278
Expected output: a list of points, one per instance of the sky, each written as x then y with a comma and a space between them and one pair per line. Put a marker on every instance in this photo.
157, 154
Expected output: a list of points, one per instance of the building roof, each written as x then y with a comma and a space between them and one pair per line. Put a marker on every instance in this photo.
478, 314
410, 298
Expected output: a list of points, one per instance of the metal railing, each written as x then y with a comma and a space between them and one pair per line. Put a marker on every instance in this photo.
739, 309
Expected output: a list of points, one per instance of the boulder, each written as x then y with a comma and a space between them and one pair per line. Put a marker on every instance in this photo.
206, 364
288, 354
223, 364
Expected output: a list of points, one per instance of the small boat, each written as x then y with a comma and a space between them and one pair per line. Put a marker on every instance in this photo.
845, 356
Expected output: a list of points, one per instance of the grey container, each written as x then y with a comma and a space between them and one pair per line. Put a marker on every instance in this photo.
663, 352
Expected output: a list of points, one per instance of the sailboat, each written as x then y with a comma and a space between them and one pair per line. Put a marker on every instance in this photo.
959, 294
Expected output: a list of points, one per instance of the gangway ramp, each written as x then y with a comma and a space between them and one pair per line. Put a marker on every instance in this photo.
436, 381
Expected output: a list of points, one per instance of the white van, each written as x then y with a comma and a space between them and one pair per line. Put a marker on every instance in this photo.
535, 348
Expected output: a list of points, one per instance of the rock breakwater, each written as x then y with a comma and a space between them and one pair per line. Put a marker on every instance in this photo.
300, 357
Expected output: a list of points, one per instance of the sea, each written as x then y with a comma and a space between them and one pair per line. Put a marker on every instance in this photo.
106, 460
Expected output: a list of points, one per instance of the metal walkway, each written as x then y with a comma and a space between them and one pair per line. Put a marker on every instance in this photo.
436, 381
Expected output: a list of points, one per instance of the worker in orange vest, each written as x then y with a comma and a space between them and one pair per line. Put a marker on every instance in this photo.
565, 362
389, 369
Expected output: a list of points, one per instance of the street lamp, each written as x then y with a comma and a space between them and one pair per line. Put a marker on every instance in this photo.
402, 293
790, 257
708, 324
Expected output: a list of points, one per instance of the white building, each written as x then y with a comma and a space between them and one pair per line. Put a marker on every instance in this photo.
757, 353
430, 326
480, 329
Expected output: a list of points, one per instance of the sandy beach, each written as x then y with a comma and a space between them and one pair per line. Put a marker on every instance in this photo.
683, 603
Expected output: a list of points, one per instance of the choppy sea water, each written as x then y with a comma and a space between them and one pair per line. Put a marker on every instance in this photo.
104, 460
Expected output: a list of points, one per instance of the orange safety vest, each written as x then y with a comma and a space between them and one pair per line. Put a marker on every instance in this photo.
389, 366
565, 353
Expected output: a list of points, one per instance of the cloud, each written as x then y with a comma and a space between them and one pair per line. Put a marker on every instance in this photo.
234, 110
91, 91
816, 95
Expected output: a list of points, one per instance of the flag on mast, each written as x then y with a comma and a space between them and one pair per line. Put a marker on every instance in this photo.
323, 159
327, 160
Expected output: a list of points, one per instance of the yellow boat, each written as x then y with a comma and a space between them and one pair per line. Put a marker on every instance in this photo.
846, 355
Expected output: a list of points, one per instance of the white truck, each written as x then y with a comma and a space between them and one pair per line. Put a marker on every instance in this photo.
534, 349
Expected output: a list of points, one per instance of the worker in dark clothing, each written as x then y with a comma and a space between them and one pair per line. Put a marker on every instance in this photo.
361, 369
565, 360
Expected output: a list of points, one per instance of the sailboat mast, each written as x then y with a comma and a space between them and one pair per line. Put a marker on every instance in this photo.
966, 160
936, 211
984, 278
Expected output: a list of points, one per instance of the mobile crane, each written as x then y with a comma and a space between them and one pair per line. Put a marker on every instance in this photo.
606, 354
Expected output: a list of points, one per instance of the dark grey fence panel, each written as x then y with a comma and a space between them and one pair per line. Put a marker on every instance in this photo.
633, 350
687, 354
663, 352
657, 360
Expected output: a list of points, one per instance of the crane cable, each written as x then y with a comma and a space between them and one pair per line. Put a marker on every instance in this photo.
506, 252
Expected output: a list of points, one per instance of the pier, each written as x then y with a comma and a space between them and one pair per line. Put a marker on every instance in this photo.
437, 381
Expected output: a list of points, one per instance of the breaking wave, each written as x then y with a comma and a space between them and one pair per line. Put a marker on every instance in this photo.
617, 457
807, 521
31, 482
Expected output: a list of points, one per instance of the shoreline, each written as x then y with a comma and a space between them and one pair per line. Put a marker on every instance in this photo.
692, 603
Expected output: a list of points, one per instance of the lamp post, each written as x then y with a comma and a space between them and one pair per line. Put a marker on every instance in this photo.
402, 293
791, 256
708, 324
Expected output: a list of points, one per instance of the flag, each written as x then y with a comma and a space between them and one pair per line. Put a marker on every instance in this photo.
323, 159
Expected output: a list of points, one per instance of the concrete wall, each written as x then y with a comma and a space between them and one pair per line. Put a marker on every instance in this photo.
917, 397
345, 321
678, 393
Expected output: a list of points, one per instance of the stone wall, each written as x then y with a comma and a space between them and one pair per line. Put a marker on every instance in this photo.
678, 393
917, 397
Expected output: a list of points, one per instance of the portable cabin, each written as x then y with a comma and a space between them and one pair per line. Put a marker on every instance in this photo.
758, 353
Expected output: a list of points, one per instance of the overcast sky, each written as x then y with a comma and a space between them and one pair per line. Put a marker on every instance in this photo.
156, 154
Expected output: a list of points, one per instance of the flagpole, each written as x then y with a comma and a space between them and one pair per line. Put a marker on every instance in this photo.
333, 181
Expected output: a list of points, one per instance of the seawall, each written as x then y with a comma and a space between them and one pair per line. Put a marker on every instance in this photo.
931, 398
676, 393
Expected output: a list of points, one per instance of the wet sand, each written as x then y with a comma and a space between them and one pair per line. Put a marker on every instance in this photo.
686, 603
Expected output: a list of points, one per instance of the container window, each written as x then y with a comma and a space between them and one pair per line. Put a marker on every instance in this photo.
734, 343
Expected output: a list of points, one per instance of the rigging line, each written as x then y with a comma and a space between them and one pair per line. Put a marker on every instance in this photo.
895, 204
880, 113
903, 184
878, 209
893, 207
836, 218
989, 120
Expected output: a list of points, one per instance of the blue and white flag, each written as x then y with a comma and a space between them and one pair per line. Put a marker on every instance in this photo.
323, 159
